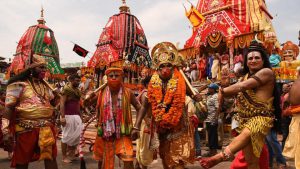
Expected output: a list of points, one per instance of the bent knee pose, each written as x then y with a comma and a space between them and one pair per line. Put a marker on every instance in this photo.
256, 96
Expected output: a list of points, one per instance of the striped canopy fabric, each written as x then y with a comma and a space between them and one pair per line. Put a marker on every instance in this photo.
38, 39
122, 38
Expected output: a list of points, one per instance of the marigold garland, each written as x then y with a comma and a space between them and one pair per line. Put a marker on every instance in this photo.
173, 98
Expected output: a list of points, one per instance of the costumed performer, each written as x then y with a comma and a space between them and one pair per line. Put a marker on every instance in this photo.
31, 116
166, 95
292, 143
7, 145
147, 144
257, 96
114, 121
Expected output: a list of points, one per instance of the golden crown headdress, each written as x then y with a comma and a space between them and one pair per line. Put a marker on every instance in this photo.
164, 52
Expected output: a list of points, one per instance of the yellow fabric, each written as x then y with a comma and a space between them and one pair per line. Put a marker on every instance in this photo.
195, 17
28, 105
292, 143
258, 19
257, 116
143, 153
190, 106
215, 68
46, 140
34, 112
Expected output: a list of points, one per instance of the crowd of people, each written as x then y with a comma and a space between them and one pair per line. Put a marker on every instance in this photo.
168, 112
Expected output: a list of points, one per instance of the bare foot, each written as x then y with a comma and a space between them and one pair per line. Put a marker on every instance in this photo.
66, 160
9, 155
211, 161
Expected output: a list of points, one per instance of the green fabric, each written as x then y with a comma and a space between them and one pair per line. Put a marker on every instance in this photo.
68, 90
53, 66
38, 40
40, 47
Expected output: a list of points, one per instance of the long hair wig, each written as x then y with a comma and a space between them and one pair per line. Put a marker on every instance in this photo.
256, 46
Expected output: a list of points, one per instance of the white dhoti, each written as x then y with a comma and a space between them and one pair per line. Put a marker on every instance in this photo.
292, 143
144, 155
71, 132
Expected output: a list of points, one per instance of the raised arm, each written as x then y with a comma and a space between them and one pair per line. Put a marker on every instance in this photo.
260, 78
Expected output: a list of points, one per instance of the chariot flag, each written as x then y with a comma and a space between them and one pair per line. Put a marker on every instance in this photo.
195, 17
80, 51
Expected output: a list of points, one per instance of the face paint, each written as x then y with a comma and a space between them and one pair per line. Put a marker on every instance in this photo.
40, 72
165, 71
114, 80
42, 75
254, 61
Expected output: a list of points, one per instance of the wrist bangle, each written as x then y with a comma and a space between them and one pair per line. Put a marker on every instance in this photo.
136, 128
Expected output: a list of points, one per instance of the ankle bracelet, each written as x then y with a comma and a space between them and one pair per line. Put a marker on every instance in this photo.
227, 154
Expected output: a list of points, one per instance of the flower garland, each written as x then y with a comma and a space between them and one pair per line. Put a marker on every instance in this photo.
167, 109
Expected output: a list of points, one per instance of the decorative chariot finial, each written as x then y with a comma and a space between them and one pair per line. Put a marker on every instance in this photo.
124, 7
41, 20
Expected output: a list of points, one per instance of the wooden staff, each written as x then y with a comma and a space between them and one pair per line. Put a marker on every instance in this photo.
100, 88
191, 91
188, 84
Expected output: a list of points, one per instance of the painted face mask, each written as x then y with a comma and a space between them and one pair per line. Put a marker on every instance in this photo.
42, 75
165, 71
114, 80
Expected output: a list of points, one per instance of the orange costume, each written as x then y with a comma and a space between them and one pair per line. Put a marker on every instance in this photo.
114, 128
168, 110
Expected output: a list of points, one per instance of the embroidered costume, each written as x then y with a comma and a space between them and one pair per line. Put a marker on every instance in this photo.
256, 115
168, 110
32, 122
114, 128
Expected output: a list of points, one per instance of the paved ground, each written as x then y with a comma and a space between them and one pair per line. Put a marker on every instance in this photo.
91, 164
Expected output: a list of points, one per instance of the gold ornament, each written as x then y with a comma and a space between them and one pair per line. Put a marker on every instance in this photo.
164, 52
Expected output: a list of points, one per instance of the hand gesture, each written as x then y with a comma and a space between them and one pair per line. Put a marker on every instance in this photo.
63, 122
197, 97
135, 133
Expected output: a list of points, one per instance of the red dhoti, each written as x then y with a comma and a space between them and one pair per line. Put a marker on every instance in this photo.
239, 161
27, 148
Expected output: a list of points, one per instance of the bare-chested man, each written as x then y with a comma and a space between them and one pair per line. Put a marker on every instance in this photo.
255, 96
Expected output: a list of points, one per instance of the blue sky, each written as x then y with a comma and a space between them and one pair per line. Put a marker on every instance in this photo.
81, 21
